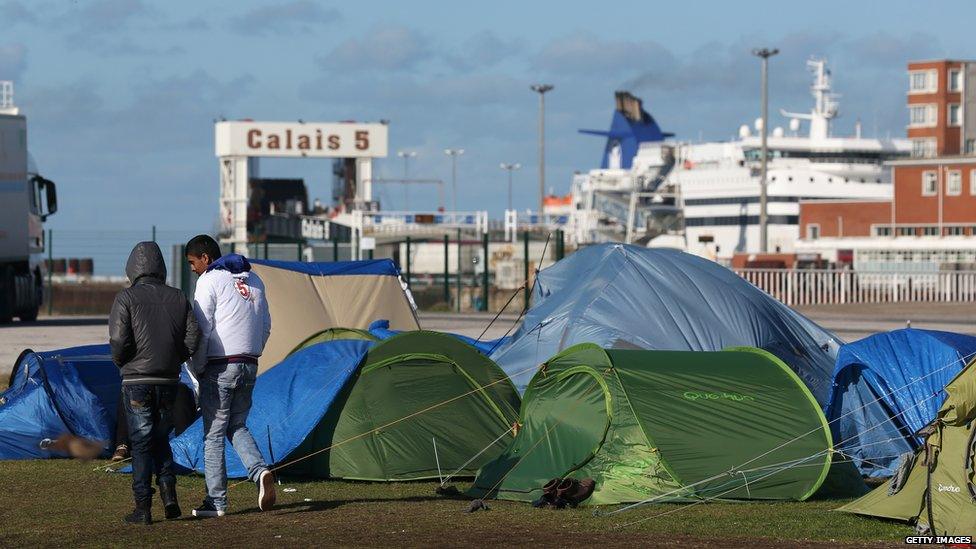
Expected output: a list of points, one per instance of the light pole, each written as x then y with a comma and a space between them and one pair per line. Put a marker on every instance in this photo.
764, 54
541, 89
454, 153
510, 168
406, 156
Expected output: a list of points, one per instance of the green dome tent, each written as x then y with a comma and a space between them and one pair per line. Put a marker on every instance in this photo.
413, 391
332, 334
673, 425
936, 487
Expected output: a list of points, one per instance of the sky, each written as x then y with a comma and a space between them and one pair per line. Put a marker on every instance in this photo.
121, 95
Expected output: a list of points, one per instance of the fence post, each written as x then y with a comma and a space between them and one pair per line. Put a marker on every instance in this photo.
459, 269
447, 272
560, 244
335, 249
299, 251
525, 252
154, 233
407, 262
50, 270
484, 273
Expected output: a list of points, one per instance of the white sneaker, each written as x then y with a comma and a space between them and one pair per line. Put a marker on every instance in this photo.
207, 510
266, 491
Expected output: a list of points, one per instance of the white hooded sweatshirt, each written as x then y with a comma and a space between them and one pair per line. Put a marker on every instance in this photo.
232, 312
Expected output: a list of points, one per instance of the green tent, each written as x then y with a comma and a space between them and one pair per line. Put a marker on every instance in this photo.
332, 334
413, 391
668, 425
938, 490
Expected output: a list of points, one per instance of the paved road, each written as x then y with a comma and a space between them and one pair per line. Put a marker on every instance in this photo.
848, 322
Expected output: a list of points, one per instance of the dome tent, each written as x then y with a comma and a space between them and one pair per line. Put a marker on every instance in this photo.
673, 425
936, 488
628, 297
74, 390
887, 387
305, 298
366, 410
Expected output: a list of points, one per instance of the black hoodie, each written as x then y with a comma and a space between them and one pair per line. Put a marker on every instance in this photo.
151, 328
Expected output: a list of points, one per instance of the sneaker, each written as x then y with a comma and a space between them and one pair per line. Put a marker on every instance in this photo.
266, 490
208, 510
121, 452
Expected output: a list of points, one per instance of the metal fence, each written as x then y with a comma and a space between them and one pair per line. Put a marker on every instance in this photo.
829, 287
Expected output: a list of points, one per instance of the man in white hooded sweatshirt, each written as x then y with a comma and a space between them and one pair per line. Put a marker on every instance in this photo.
232, 311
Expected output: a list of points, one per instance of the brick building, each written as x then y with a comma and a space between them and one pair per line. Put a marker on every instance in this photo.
930, 222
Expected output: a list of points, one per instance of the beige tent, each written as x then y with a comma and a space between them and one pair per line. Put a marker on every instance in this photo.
306, 298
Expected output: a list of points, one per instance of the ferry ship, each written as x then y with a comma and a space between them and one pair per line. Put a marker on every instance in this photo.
704, 197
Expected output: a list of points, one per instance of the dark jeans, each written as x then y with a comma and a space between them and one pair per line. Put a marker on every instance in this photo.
184, 414
149, 411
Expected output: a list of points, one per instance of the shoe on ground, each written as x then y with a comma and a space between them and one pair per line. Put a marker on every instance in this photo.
266, 490
140, 515
207, 510
121, 452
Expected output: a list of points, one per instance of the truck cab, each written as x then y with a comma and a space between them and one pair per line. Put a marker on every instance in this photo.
26, 201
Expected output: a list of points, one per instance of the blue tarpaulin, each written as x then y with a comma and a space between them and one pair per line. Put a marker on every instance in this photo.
52, 393
623, 296
289, 400
888, 386
335, 268
381, 329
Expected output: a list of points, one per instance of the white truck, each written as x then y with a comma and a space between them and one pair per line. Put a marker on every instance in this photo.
26, 200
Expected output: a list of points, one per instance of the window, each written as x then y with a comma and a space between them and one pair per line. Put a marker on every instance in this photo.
930, 231
954, 183
813, 231
930, 184
926, 81
954, 114
970, 147
906, 231
922, 115
882, 231
955, 80
954, 231
972, 182
923, 147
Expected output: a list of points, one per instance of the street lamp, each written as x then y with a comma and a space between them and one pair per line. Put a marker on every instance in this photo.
764, 54
510, 168
454, 153
406, 156
541, 89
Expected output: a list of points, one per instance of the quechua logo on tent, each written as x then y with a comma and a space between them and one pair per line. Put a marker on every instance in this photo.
708, 395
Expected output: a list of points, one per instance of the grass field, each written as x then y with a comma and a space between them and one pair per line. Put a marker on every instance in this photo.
66, 503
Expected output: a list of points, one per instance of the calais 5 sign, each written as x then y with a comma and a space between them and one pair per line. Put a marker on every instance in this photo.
297, 139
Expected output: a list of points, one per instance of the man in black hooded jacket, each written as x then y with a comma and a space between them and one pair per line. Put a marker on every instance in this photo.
152, 330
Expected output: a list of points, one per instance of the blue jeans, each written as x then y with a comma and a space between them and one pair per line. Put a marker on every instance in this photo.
149, 415
225, 400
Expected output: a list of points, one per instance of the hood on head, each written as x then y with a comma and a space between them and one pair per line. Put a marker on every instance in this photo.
235, 263
146, 259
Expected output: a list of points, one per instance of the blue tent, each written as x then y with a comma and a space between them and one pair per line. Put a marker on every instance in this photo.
888, 386
381, 329
622, 296
289, 400
73, 390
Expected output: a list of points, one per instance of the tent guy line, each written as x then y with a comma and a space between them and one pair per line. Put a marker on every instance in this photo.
480, 388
